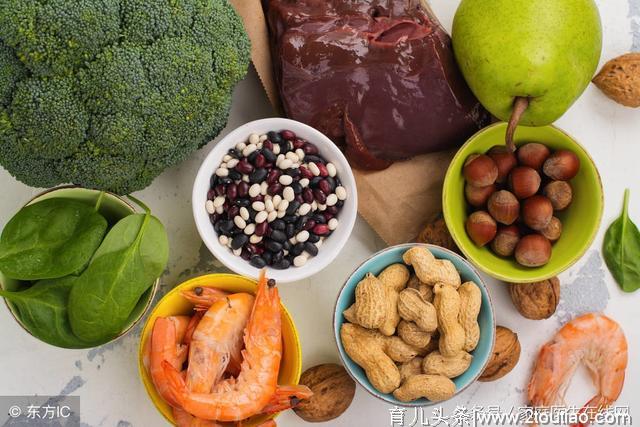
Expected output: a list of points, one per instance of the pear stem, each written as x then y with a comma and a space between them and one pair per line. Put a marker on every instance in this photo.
520, 105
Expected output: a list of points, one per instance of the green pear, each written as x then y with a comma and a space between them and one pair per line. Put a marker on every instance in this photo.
527, 61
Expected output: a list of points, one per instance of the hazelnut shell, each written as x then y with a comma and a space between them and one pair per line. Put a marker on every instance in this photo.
505, 160
524, 182
506, 240
562, 165
537, 212
533, 155
480, 170
533, 250
504, 207
481, 227
559, 193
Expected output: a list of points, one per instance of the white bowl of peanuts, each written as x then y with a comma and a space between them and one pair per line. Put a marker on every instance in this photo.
276, 194
428, 346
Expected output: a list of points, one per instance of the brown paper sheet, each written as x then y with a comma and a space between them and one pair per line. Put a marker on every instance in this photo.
397, 202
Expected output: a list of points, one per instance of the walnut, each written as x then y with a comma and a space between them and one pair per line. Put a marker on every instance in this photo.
333, 391
437, 233
506, 353
536, 300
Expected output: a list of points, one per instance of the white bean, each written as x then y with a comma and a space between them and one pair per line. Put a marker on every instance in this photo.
263, 138
255, 239
300, 154
210, 207
250, 229
232, 163
314, 205
322, 207
276, 201
332, 199
302, 236
293, 157
272, 216
288, 194
237, 252
281, 213
263, 188
276, 149
285, 164
222, 172
283, 205
240, 146
261, 217
218, 201
300, 260
279, 159
249, 149
315, 170
223, 240
254, 138
333, 223
245, 178
220, 210
331, 168
341, 192
226, 158
304, 182
239, 222
244, 214
254, 190
258, 206
268, 205
304, 209
285, 179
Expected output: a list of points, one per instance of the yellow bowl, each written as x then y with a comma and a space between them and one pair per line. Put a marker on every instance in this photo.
174, 303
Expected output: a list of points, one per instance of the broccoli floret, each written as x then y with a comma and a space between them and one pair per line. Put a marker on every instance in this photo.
109, 93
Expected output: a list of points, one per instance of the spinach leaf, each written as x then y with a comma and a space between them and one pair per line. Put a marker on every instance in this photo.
621, 250
42, 308
49, 239
133, 255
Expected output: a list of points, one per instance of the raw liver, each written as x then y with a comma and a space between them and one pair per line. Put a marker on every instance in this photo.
378, 77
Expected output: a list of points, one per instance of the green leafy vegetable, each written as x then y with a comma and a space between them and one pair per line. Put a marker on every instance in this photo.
42, 309
133, 255
49, 239
621, 250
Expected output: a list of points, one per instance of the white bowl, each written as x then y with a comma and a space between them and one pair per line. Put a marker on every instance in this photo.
331, 246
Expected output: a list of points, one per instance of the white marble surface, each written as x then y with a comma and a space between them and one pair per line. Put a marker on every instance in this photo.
107, 380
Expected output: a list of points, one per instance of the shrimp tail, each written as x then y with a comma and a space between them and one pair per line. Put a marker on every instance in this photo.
176, 382
592, 407
287, 397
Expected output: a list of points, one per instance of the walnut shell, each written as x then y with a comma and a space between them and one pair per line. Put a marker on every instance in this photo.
333, 391
536, 300
437, 233
619, 79
506, 353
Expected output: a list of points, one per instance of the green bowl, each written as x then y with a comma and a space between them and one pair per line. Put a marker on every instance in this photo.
113, 208
580, 221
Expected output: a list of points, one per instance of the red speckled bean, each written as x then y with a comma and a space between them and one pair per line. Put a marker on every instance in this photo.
307, 195
259, 161
310, 148
324, 186
288, 135
232, 191
244, 167
321, 229
320, 196
305, 173
233, 211
323, 169
261, 229
219, 190
274, 189
273, 175
243, 189
298, 143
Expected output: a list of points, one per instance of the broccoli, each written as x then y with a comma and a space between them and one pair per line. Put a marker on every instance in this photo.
108, 93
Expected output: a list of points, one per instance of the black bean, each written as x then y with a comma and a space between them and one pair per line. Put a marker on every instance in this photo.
296, 187
292, 208
289, 218
315, 181
282, 264
268, 257
268, 155
278, 235
258, 175
339, 204
252, 157
301, 221
286, 246
293, 172
213, 181
297, 249
332, 182
310, 248
225, 180
226, 225
274, 137
319, 218
273, 246
252, 214
290, 230
239, 241
234, 153
216, 227
284, 147
242, 203
235, 175
277, 256
313, 238
257, 261
313, 158
338, 182
278, 224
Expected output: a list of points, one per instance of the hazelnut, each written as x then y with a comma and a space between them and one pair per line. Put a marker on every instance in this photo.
562, 165
481, 227
504, 207
524, 181
505, 356
537, 300
478, 196
553, 230
533, 250
505, 160
333, 390
559, 193
506, 240
533, 155
480, 170
537, 212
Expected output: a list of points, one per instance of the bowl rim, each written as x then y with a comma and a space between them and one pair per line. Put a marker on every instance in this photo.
420, 402
540, 277
176, 289
347, 217
154, 286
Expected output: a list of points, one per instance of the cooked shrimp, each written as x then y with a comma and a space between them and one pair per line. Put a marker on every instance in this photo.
191, 327
203, 297
287, 397
166, 345
185, 419
593, 339
217, 340
246, 395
